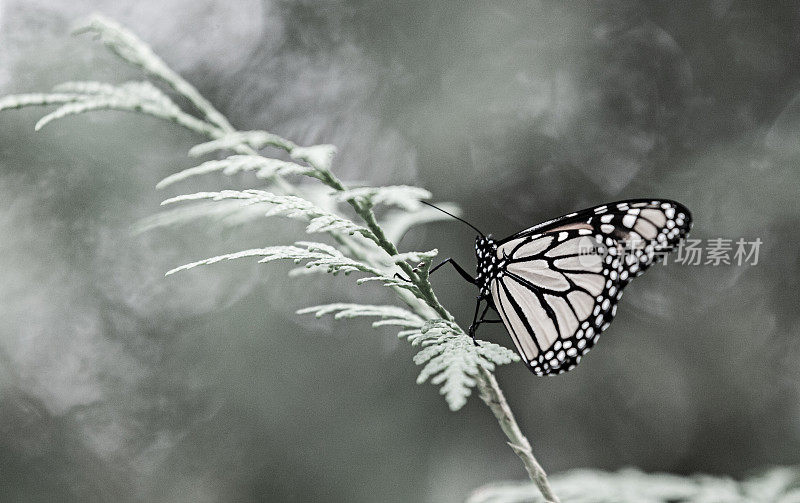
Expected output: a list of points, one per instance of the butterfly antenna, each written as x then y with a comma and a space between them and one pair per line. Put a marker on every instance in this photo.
457, 218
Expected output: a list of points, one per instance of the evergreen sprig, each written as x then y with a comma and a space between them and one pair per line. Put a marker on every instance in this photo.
319, 220
448, 355
80, 97
315, 255
264, 167
389, 315
401, 196
454, 361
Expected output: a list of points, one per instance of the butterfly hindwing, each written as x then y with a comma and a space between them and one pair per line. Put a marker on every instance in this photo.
555, 294
556, 285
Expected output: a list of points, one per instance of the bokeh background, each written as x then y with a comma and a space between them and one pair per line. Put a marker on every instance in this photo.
117, 384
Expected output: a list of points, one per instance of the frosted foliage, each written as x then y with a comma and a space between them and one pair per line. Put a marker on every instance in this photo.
449, 358
263, 167
319, 220
401, 196
778, 485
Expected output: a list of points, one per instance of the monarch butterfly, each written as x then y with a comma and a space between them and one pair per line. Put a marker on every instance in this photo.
556, 285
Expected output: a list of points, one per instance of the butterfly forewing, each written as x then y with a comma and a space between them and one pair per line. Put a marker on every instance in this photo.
557, 284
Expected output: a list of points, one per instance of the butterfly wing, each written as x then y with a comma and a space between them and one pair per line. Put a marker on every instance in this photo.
558, 283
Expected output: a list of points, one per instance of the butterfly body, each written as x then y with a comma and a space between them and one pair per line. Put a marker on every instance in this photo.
489, 264
556, 285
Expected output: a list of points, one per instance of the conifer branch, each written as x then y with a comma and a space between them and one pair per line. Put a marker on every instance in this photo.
448, 356
131, 49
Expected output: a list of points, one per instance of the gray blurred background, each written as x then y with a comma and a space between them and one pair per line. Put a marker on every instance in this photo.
117, 384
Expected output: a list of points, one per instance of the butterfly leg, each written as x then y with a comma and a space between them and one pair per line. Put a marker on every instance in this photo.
464, 274
491, 304
477, 320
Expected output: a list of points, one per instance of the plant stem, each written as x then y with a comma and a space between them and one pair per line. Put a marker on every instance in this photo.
493, 397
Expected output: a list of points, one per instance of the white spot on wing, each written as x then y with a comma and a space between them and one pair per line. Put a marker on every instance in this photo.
628, 220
